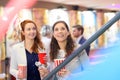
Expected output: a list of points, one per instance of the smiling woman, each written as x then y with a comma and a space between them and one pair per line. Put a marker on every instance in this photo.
61, 46
25, 54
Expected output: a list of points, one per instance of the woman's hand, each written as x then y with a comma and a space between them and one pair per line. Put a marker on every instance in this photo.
63, 73
43, 72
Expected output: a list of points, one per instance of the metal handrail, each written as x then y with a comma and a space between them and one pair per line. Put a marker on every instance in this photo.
87, 43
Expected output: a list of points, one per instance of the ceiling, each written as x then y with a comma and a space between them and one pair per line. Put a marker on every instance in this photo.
113, 5
92, 4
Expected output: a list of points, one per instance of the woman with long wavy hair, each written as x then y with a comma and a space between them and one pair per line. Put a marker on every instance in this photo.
61, 46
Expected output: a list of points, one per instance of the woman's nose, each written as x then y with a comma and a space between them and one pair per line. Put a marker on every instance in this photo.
60, 30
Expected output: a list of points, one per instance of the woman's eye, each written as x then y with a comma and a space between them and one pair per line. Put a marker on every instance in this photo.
28, 29
34, 28
63, 28
56, 29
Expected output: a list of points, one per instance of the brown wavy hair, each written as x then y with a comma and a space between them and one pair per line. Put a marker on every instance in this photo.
54, 47
37, 40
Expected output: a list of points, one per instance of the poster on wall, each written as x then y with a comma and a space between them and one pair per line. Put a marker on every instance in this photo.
111, 33
57, 15
79, 15
18, 18
89, 24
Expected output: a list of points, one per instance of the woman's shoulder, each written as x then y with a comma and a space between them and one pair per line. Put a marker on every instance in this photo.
18, 44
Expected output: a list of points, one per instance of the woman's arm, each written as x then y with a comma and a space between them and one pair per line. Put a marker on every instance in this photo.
13, 64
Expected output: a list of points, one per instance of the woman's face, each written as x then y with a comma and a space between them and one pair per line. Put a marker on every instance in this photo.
60, 32
29, 31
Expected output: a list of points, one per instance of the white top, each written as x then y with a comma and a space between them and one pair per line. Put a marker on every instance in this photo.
78, 39
80, 61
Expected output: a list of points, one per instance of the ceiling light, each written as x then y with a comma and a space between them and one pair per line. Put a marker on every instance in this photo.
113, 4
